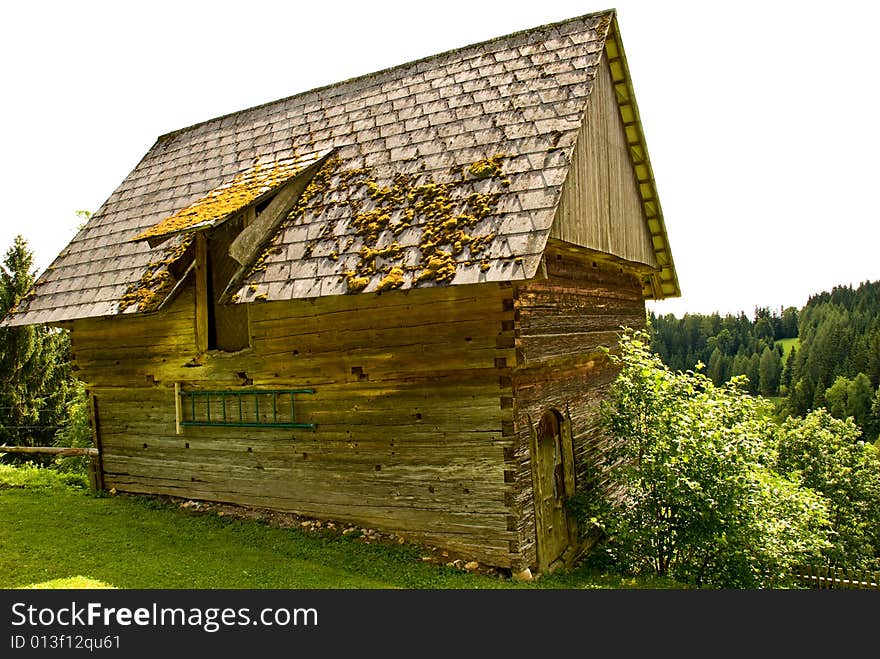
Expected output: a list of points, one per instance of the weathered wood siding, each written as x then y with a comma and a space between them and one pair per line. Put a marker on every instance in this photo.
600, 208
413, 407
561, 323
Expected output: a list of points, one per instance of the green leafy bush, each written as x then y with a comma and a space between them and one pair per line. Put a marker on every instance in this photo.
827, 455
692, 492
37, 476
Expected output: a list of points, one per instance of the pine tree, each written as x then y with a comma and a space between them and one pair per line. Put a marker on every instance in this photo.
789, 323
787, 371
764, 328
740, 364
874, 358
770, 371
34, 374
754, 373
818, 395
716, 369
872, 427
800, 397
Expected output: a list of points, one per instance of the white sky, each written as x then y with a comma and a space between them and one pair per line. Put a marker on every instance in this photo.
761, 118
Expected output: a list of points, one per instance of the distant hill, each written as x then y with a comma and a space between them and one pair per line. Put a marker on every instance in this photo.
836, 354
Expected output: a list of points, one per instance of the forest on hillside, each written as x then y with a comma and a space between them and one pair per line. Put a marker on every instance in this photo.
833, 360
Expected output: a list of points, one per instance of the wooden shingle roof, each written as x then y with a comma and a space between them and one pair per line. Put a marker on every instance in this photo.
443, 171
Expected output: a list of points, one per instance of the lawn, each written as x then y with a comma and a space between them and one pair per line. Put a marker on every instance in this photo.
50, 530
787, 345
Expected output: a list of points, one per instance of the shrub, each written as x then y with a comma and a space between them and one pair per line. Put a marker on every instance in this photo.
697, 498
827, 455
33, 475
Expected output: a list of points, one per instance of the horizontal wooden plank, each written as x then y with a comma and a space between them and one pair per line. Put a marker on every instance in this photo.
416, 437
479, 418
566, 297
546, 324
60, 451
381, 303
171, 339
486, 415
154, 353
403, 316
286, 452
127, 326
351, 482
299, 369
403, 514
461, 335
587, 266
386, 393
535, 349
311, 485
178, 317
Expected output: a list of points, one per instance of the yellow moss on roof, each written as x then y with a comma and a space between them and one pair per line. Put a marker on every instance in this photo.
445, 213
148, 293
487, 167
228, 198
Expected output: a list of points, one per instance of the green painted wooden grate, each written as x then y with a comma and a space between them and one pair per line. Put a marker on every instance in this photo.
277, 412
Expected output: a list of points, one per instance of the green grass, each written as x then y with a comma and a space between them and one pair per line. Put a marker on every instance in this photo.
787, 345
51, 530
68, 583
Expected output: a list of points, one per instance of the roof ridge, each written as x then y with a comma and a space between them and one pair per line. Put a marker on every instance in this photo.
547, 26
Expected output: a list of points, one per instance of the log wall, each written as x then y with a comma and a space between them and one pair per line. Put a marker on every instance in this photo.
561, 324
413, 407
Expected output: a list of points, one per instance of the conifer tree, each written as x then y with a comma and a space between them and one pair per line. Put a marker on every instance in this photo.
34, 374
872, 427
770, 371
789, 367
716, 368
754, 373
818, 396
873, 364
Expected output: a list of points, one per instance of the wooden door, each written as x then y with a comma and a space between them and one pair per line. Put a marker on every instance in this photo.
548, 472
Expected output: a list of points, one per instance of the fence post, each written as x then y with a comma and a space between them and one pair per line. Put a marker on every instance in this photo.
92, 471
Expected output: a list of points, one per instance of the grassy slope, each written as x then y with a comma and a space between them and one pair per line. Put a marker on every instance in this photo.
50, 531
787, 345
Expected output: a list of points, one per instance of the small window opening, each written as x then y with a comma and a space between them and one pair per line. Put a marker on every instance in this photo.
227, 323
260, 207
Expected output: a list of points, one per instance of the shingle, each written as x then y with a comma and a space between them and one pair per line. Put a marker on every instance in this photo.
448, 90
418, 137
306, 288
414, 124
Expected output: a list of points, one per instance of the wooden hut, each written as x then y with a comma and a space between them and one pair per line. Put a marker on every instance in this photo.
379, 302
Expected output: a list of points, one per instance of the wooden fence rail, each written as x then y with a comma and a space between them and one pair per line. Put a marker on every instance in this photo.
838, 578
95, 468
62, 451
